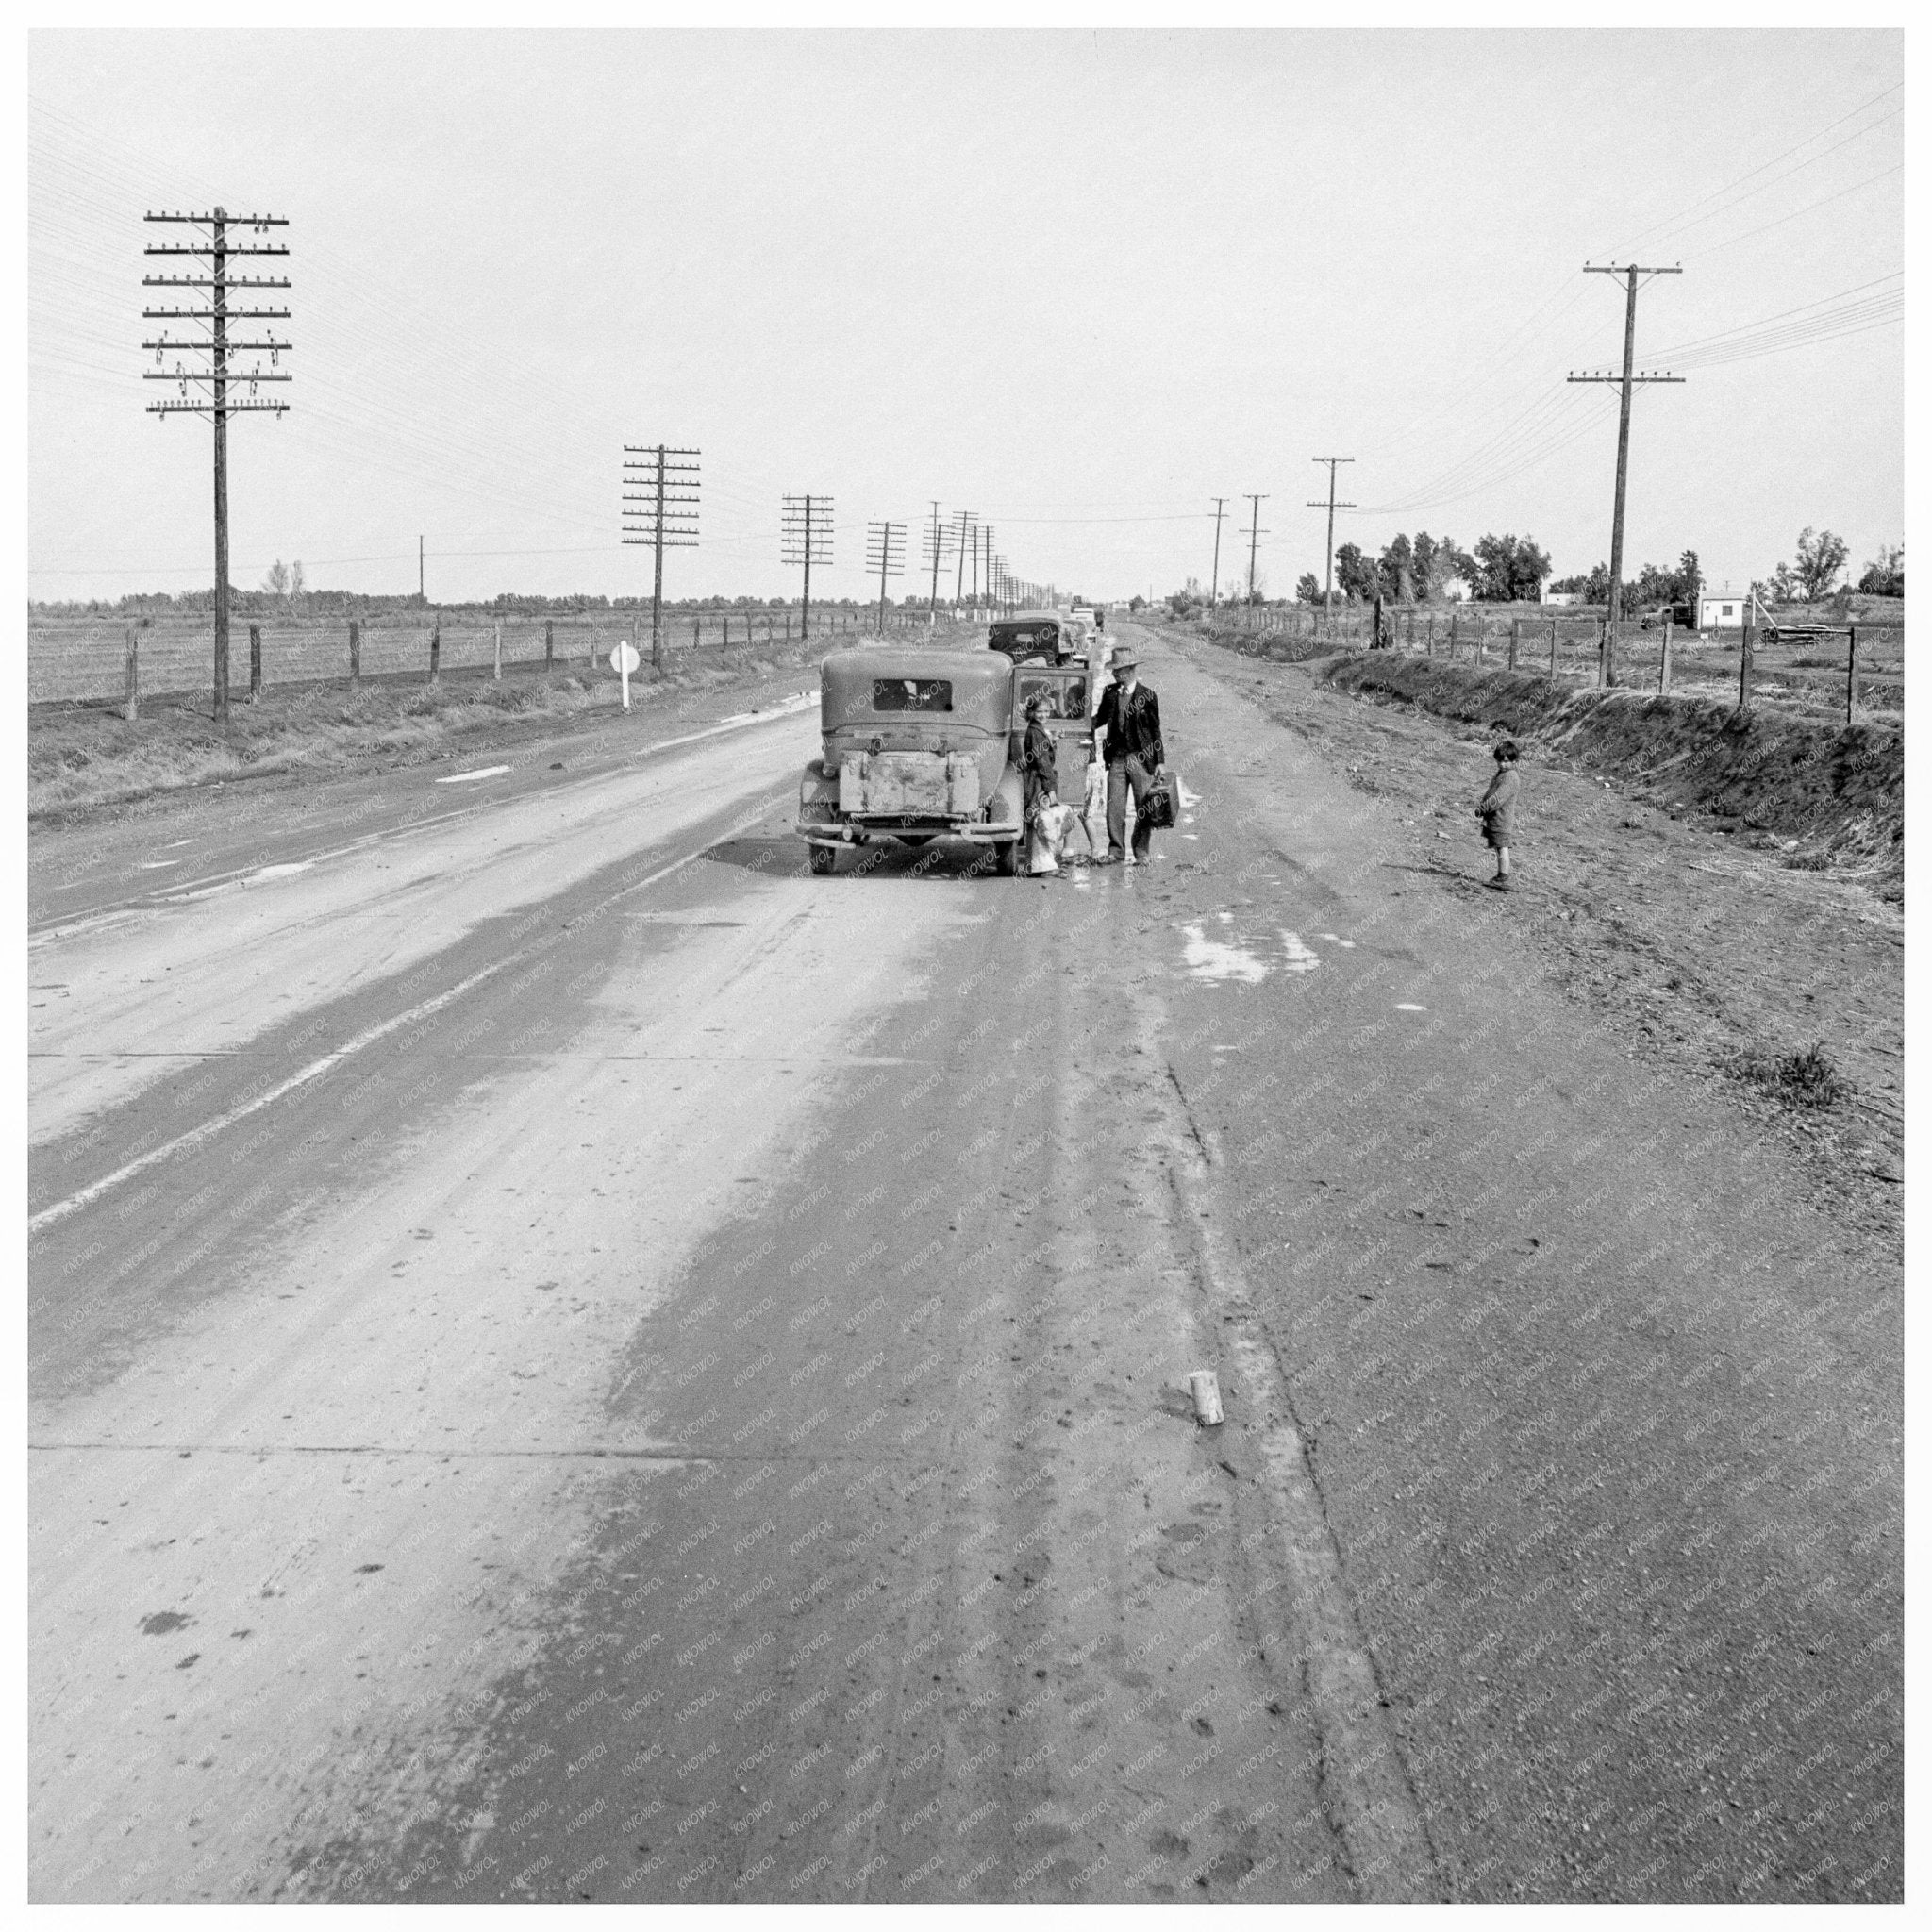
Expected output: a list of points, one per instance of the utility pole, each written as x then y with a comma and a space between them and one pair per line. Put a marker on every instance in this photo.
666, 481
420, 597
1254, 535
982, 541
1214, 581
969, 526
209, 394
938, 546
885, 552
1630, 271
807, 539
1328, 568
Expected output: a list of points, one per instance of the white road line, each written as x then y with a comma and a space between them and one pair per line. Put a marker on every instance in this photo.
59, 1210
204, 887
464, 777
790, 708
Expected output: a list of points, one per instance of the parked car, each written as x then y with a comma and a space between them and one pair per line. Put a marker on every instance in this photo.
922, 744
1029, 634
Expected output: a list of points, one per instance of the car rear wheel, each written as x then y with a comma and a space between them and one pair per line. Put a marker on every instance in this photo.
1006, 858
915, 840
823, 857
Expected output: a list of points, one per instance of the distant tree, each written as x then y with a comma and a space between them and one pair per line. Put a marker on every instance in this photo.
1821, 554
1783, 586
1438, 562
1593, 587
1690, 580
1397, 569
295, 581
1182, 605
1137, 603
1509, 570
1309, 590
1885, 576
1356, 576
276, 581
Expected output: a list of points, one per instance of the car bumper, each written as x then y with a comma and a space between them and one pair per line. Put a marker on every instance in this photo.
858, 831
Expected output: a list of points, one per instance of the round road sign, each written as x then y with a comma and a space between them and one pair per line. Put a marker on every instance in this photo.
624, 660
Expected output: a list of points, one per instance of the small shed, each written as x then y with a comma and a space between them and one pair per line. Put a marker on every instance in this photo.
1722, 610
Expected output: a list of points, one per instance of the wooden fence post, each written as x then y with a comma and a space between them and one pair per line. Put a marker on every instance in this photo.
1851, 673
1429, 641
1455, 633
1515, 640
435, 649
254, 661
549, 643
1606, 666
354, 651
1553, 650
1745, 663
1663, 671
499, 652
131, 708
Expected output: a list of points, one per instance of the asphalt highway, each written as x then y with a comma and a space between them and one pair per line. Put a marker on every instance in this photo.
571, 1359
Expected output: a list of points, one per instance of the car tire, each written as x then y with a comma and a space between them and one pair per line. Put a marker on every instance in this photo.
1006, 858
824, 859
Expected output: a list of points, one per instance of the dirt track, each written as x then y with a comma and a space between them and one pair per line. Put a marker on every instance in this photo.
695, 1409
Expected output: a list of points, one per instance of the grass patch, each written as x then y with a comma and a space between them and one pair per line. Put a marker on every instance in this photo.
1806, 1079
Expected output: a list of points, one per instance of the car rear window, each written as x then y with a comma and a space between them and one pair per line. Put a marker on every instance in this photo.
912, 694
1025, 637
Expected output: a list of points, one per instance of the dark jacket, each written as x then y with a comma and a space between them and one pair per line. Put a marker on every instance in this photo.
1136, 735
1497, 806
1037, 760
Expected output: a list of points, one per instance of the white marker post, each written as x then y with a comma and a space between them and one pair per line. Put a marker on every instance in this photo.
623, 660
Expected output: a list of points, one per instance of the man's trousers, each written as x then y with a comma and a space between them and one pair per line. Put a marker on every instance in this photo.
1129, 771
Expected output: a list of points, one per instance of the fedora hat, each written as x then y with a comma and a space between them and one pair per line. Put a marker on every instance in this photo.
1122, 654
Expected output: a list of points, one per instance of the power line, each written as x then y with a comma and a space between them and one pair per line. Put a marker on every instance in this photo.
1818, 134
1823, 201
1214, 580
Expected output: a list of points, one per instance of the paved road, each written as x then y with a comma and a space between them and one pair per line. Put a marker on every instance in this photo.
570, 1358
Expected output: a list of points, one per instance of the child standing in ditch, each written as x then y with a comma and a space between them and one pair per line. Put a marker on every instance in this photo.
1497, 808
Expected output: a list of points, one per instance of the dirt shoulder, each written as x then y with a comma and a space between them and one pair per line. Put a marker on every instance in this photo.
84, 760
1690, 932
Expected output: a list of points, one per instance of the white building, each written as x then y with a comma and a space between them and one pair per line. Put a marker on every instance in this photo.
1722, 610
1562, 596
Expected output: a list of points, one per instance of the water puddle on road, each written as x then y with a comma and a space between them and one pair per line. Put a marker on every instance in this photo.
1296, 957
1239, 957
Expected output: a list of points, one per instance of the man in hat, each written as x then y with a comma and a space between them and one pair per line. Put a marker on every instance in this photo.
1126, 727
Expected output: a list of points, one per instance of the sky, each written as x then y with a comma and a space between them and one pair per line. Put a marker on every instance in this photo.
1080, 283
